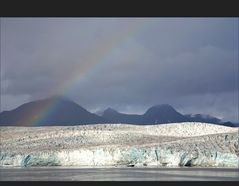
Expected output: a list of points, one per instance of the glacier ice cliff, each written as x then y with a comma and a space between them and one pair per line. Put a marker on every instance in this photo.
213, 150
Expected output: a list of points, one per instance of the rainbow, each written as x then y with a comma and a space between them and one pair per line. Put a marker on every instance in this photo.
94, 62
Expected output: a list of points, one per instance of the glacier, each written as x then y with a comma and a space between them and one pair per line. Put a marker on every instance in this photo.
211, 150
136, 156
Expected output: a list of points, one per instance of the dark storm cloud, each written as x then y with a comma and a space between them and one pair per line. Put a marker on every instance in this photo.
129, 64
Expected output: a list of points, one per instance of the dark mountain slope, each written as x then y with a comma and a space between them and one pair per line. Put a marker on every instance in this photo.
163, 114
116, 117
56, 110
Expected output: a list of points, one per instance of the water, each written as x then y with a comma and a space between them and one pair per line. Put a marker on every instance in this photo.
119, 174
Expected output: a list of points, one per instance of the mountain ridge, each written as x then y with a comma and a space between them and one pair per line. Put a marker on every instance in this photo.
59, 110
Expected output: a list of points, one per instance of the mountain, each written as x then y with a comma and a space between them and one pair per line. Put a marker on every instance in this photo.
116, 117
230, 124
56, 110
160, 114
157, 114
163, 114
209, 119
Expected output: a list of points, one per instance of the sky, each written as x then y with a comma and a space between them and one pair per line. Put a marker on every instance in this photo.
128, 64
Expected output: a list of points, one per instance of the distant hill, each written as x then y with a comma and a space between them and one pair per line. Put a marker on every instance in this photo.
55, 110
209, 119
160, 114
163, 114
203, 118
155, 115
58, 110
116, 117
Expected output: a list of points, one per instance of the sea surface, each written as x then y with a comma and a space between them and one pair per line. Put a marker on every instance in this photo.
118, 174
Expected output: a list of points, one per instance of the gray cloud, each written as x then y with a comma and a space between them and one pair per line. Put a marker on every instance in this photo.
126, 63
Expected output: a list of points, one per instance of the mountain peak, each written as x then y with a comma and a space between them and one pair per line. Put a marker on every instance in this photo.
161, 108
110, 111
163, 113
